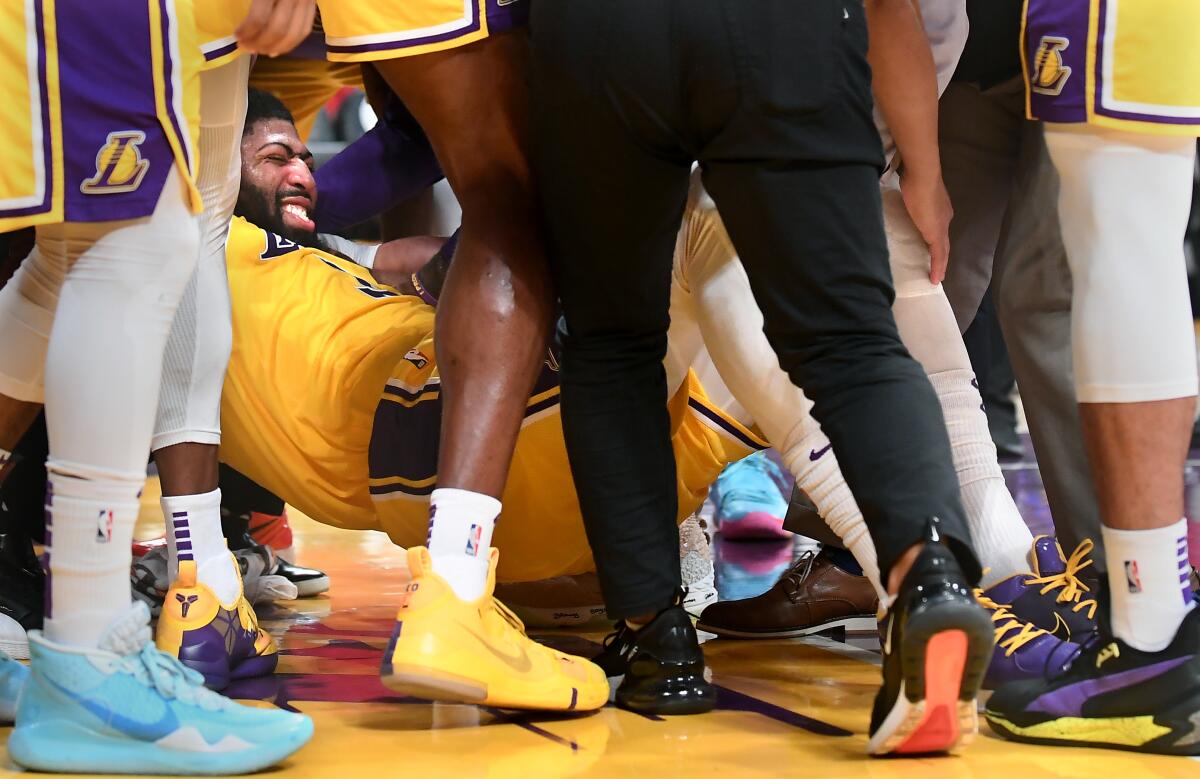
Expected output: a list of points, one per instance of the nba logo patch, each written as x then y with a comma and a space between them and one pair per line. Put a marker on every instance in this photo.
104, 526
416, 358
119, 165
474, 537
1049, 73
1131, 577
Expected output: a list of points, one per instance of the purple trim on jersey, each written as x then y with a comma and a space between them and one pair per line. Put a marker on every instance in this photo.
1069, 21
408, 43
107, 85
228, 48
1068, 700
709, 414
47, 131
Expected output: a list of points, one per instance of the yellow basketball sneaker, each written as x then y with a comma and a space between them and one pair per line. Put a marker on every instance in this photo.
446, 649
221, 641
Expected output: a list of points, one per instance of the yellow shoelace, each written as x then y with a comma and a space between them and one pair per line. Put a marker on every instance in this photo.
1004, 621
1068, 581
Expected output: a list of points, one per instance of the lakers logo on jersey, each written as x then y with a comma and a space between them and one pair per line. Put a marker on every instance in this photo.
277, 246
1050, 74
119, 164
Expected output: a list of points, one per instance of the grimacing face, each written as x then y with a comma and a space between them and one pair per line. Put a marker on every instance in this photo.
278, 191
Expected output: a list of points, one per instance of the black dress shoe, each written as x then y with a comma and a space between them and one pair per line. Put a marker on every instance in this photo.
308, 581
662, 665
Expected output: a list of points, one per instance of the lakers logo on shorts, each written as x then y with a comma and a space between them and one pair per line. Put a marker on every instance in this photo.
119, 165
1049, 73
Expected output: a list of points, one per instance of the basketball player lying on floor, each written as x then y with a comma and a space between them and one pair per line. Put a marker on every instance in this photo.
358, 449
331, 399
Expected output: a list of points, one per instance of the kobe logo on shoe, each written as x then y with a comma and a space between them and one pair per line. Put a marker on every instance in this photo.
185, 603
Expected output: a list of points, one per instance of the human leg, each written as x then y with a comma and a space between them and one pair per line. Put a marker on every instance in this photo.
1126, 196
477, 128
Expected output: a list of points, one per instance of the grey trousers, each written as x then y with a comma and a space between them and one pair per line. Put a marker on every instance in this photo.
1005, 233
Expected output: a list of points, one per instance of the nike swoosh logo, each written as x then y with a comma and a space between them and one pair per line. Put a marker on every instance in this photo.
144, 731
1059, 622
816, 454
519, 662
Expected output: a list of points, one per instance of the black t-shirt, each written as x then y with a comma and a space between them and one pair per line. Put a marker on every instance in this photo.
993, 50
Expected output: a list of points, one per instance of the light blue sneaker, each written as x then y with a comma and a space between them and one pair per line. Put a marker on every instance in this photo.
12, 679
750, 503
127, 708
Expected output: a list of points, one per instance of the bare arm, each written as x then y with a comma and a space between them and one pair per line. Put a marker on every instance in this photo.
905, 86
396, 261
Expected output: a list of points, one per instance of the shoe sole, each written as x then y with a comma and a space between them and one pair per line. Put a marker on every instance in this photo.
420, 682
944, 664
67, 747
1105, 728
862, 623
672, 697
16, 649
307, 589
439, 686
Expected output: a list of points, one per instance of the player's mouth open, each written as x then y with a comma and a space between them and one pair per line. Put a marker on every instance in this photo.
295, 214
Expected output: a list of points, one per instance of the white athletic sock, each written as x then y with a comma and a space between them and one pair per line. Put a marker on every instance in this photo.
5, 456
1148, 578
194, 533
460, 535
89, 529
812, 462
1002, 539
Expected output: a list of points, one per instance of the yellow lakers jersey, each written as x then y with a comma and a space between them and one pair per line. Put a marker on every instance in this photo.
333, 401
315, 341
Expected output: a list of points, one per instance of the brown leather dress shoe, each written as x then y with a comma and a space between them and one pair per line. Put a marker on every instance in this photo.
812, 596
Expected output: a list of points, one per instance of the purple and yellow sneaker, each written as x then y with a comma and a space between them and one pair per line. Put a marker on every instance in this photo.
221, 641
1052, 596
750, 504
1112, 696
1022, 651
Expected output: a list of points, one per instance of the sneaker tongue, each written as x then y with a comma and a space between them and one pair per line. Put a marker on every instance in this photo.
1046, 557
130, 632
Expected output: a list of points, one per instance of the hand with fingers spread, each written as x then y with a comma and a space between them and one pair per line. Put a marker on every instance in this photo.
275, 27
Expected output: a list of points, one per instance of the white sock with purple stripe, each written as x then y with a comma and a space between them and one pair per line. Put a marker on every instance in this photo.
194, 533
1148, 576
460, 535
